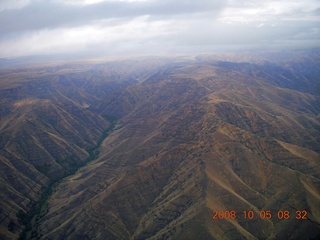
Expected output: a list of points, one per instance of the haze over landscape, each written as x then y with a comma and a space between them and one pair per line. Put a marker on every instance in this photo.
149, 119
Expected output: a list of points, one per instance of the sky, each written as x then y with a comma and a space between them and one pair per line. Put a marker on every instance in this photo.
128, 27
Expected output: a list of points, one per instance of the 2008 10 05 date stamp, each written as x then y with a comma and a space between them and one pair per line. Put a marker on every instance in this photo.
262, 214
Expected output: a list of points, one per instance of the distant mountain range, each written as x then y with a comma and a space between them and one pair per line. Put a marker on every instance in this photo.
211, 146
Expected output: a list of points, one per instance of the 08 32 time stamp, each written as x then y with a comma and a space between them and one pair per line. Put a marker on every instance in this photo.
262, 214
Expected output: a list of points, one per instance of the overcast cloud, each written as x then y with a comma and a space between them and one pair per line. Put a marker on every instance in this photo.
112, 27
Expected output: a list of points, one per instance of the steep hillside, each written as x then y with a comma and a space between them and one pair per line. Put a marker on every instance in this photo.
194, 138
50, 126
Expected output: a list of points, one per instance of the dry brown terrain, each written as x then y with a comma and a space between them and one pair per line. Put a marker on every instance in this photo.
194, 135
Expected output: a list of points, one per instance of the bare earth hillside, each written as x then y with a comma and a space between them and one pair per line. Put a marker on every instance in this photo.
190, 147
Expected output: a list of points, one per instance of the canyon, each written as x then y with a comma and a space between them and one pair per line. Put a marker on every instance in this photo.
152, 147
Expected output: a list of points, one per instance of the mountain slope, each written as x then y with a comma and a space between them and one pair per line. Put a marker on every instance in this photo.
51, 125
196, 137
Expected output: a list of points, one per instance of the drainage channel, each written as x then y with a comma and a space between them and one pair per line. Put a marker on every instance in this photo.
41, 207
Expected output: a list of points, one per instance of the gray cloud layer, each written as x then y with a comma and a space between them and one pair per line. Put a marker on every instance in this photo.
29, 27
44, 14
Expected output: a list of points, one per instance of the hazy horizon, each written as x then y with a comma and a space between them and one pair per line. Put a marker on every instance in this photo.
96, 28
